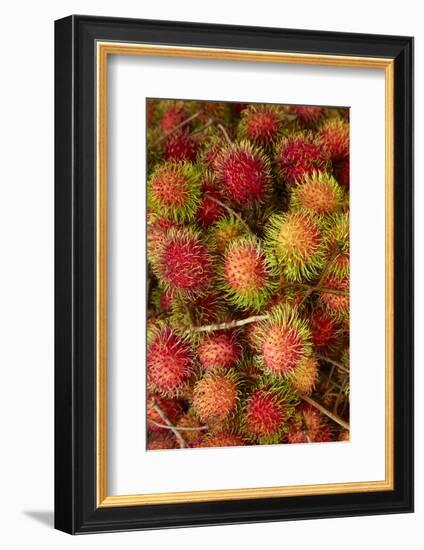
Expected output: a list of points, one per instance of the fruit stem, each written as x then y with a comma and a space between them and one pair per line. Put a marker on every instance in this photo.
322, 409
182, 428
332, 362
229, 324
182, 442
224, 131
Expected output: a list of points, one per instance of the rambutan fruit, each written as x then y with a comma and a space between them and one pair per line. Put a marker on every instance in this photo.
180, 146
305, 376
221, 439
170, 407
309, 418
253, 335
210, 207
157, 229
174, 190
324, 328
215, 396
318, 194
298, 155
183, 264
308, 115
210, 150
264, 416
202, 309
334, 137
335, 303
173, 115
294, 243
158, 441
194, 431
169, 362
337, 242
341, 170
219, 351
246, 277
260, 124
285, 341
308, 425
224, 231
245, 174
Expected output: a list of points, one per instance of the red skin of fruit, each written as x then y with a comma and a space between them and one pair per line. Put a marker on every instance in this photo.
324, 328
215, 398
219, 351
170, 407
158, 441
308, 115
172, 117
185, 263
244, 269
262, 126
180, 146
264, 414
169, 362
166, 300
335, 303
170, 187
209, 210
220, 439
282, 349
156, 234
341, 170
244, 175
335, 139
311, 419
298, 157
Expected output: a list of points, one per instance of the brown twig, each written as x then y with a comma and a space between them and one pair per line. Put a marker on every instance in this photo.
332, 362
224, 131
182, 442
179, 428
322, 409
229, 324
228, 209
177, 127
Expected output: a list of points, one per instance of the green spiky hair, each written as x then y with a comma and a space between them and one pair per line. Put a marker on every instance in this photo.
261, 124
285, 341
318, 194
294, 244
246, 274
224, 231
337, 241
174, 190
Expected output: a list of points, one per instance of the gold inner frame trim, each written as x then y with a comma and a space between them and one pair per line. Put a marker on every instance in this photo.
103, 50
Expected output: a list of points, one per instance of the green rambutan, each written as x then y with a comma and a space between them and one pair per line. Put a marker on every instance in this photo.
246, 277
318, 194
221, 439
219, 351
285, 341
264, 416
245, 173
180, 146
170, 407
169, 361
308, 115
174, 190
334, 137
335, 303
298, 155
184, 264
224, 231
210, 207
158, 441
305, 376
260, 124
336, 237
215, 396
294, 243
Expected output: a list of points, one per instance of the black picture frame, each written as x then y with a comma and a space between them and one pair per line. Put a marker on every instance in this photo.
75, 275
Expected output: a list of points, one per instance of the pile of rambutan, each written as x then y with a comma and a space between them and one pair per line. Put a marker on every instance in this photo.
248, 274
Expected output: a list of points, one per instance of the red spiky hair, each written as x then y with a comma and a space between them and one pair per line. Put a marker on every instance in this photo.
169, 362
341, 170
308, 115
210, 209
335, 304
244, 172
334, 137
158, 441
260, 124
173, 116
180, 146
170, 407
324, 329
215, 397
221, 439
264, 416
299, 155
219, 351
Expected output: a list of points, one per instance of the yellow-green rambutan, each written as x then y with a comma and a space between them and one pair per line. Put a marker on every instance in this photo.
245, 174
169, 361
294, 243
246, 274
318, 193
174, 190
215, 396
336, 234
305, 376
225, 231
260, 124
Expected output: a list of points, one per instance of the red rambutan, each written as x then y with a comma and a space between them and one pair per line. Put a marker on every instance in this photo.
299, 155
245, 174
335, 303
308, 115
184, 264
170, 407
169, 362
158, 441
221, 439
324, 329
194, 431
172, 116
210, 209
174, 190
215, 396
341, 170
219, 351
334, 137
180, 146
264, 416
260, 124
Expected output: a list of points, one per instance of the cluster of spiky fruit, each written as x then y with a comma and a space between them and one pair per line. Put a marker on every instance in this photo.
248, 274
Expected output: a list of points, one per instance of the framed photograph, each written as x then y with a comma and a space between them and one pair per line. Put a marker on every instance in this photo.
234, 274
